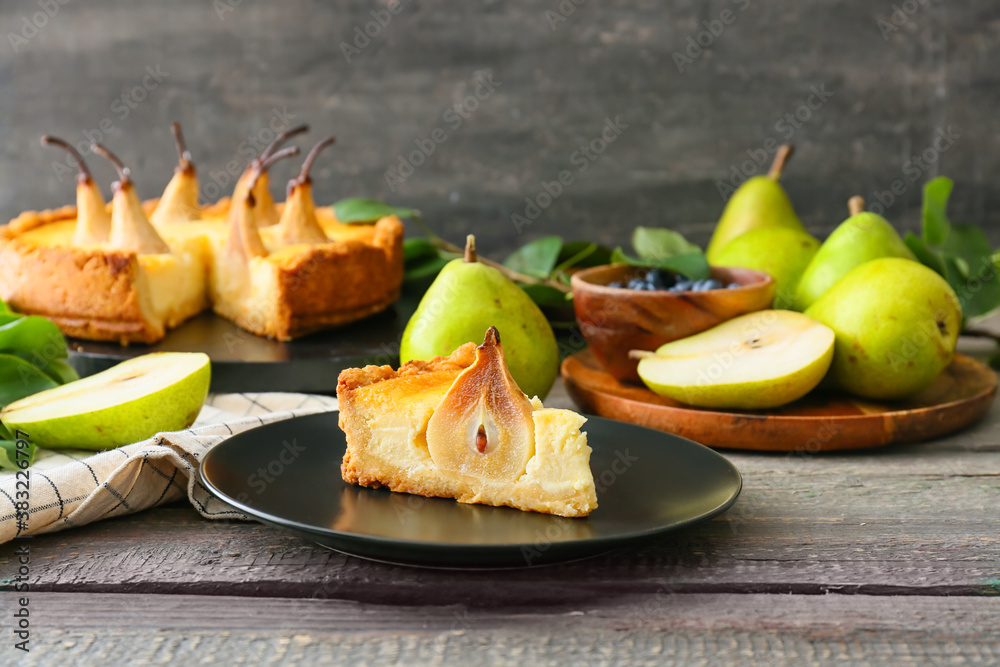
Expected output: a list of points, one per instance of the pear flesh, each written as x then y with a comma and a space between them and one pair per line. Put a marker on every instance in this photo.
130, 228
179, 202
298, 222
483, 427
897, 324
859, 239
465, 299
755, 361
244, 241
781, 252
93, 224
760, 202
128, 403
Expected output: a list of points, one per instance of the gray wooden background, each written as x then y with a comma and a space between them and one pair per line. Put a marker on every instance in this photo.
883, 85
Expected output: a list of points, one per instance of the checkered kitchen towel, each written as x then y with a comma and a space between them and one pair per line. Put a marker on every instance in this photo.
73, 487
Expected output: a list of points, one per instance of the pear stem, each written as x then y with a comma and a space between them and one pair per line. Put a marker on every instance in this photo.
84, 175
184, 163
280, 139
640, 354
264, 166
470, 249
123, 171
303, 176
781, 158
516, 276
856, 204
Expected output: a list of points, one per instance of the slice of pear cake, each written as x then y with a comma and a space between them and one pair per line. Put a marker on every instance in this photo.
459, 427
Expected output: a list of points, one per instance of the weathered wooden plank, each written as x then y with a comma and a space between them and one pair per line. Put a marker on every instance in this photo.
885, 100
669, 629
915, 519
758, 547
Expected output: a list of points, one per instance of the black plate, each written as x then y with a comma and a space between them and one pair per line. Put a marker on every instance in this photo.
648, 482
243, 362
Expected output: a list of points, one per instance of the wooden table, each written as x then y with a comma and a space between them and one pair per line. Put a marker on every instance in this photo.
885, 557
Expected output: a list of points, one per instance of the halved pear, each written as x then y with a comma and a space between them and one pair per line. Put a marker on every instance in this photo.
484, 426
93, 224
128, 403
298, 222
179, 202
244, 241
130, 228
758, 360
257, 172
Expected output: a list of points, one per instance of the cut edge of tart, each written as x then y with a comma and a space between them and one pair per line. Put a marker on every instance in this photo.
459, 427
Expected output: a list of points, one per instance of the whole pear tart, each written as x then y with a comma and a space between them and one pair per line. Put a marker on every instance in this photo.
459, 427
132, 270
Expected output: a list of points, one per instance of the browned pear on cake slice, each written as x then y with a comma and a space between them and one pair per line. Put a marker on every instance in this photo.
298, 222
266, 214
484, 425
130, 228
93, 224
179, 202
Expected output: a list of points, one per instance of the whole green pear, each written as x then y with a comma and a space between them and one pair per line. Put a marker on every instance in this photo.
782, 252
896, 323
467, 298
760, 202
859, 239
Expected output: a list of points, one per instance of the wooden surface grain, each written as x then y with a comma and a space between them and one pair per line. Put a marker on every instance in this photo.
695, 629
887, 557
886, 94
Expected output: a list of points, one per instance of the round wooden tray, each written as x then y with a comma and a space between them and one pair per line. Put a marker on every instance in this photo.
819, 422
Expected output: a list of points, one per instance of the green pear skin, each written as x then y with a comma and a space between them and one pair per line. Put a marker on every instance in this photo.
782, 252
465, 300
172, 407
859, 239
760, 202
897, 324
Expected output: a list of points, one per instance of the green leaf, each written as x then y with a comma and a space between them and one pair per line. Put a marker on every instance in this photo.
61, 371
584, 255
9, 458
655, 243
970, 243
18, 379
418, 248
35, 336
547, 296
936, 225
536, 259
691, 265
429, 266
4, 308
358, 210
923, 252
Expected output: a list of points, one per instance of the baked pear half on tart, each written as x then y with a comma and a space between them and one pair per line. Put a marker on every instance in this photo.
132, 270
459, 427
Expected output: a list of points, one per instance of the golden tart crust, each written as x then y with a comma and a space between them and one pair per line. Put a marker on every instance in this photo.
100, 294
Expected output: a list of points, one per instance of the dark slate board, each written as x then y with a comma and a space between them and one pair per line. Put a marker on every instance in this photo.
242, 361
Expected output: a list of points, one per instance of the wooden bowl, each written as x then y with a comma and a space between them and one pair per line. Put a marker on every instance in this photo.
615, 320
